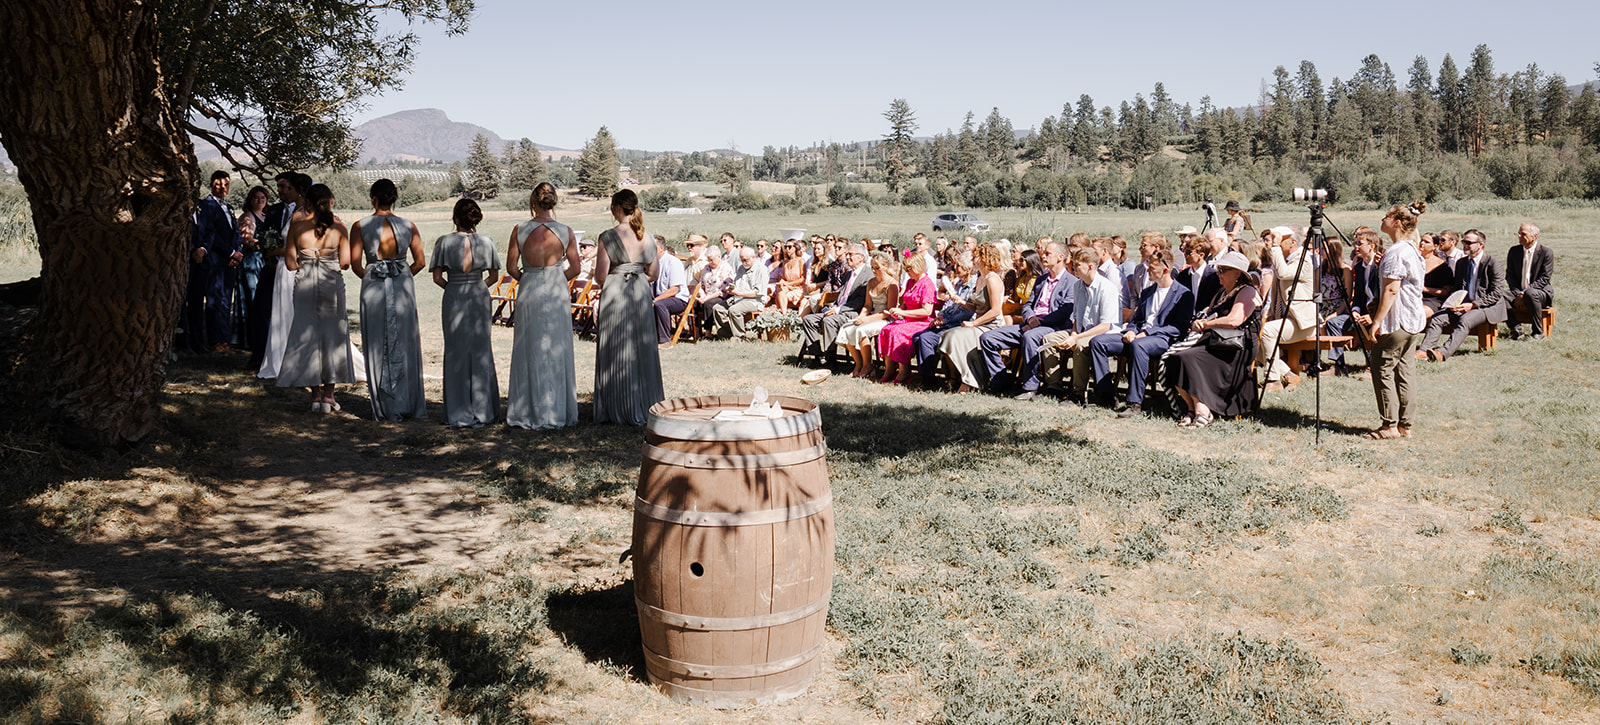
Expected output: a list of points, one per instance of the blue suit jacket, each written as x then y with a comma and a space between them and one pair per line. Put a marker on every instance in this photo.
1174, 317
215, 230
1060, 315
1365, 286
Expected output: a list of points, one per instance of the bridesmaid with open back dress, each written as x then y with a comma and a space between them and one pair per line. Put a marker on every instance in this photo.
389, 333
318, 354
471, 387
627, 364
543, 257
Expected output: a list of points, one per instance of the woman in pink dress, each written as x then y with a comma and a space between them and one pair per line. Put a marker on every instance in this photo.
911, 317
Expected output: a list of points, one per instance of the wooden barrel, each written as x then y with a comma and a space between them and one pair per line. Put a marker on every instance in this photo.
733, 550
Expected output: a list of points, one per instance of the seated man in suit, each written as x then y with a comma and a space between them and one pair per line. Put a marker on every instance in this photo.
1528, 268
819, 329
1162, 318
1048, 309
1200, 274
1485, 281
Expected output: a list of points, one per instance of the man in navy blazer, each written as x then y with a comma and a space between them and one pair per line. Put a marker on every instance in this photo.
1485, 280
1162, 318
1528, 267
1048, 309
214, 252
1200, 274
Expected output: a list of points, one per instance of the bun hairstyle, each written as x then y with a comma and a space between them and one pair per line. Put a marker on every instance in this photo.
467, 215
320, 198
627, 202
383, 192
543, 197
1405, 216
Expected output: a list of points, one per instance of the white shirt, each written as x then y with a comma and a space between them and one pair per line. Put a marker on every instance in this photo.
1096, 304
1403, 262
1527, 264
670, 273
1157, 299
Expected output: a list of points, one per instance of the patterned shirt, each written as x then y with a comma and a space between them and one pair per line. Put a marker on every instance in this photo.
1403, 262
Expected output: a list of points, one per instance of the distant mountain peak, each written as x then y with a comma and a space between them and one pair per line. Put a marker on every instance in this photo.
420, 133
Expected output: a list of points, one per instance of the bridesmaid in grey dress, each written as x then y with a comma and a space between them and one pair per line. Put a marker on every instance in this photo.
471, 389
543, 386
317, 355
627, 364
389, 332
960, 344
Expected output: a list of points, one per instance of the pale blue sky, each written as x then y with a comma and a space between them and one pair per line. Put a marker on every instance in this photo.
700, 75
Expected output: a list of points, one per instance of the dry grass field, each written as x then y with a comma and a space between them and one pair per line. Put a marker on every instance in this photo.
997, 561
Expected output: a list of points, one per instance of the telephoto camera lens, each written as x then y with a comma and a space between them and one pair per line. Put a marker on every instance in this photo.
1320, 196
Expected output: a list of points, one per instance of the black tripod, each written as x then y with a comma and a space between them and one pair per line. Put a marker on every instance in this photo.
1211, 216
1316, 239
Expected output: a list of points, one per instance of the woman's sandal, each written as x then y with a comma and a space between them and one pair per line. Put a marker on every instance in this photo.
1187, 421
1382, 434
1200, 422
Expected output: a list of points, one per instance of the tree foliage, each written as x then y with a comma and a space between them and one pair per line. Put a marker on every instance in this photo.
482, 178
598, 165
274, 85
524, 165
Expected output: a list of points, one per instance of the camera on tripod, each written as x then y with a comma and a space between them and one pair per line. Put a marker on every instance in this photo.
1317, 196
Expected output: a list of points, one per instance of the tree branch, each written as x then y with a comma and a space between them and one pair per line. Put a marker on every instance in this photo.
191, 68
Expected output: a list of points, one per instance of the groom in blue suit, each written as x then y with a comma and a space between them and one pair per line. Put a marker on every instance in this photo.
1162, 318
214, 254
1048, 309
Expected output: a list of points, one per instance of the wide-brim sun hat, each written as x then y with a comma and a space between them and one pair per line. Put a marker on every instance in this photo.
1233, 260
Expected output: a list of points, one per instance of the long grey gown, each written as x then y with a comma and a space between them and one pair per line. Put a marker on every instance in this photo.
961, 343
471, 388
318, 348
389, 334
543, 386
627, 365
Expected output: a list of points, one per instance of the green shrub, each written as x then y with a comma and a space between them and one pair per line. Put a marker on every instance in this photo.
841, 193
663, 198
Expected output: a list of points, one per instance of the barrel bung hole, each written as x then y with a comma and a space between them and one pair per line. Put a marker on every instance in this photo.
697, 570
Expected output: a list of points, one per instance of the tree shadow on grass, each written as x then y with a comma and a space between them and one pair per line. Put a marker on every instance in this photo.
1297, 420
603, 624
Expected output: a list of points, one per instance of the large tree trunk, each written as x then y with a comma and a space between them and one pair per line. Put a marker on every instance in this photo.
110, 179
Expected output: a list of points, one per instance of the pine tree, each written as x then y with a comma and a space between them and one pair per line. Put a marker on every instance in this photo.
1163, 111
969, 153
1083, 141
1311, 110
1584, 119
1424, 109
999, 139
598, 165
1478, 104
1554, 105
524, 165
1346, 130
482, 176
1279, 129
1452, 114
898, 144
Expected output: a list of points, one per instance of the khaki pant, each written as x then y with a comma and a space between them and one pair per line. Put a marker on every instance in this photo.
1284, 331
1393, 361
1053, 363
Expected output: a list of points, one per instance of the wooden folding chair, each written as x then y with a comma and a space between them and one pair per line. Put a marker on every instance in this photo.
583, 308
687, 320
505, 293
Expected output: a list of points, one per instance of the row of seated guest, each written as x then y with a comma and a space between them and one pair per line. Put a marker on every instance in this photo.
1269, 268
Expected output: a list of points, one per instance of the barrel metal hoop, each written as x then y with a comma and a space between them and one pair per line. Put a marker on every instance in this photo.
719, 672
735, 430
734, 462
728, 519
731, 624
